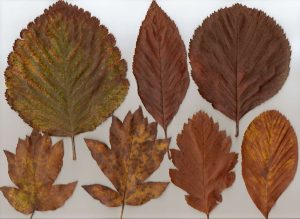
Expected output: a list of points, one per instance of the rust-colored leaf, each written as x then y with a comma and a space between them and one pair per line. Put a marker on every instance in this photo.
134, 155
204, 162
160, 66
269, 158
65, 74
33, 169
240, 58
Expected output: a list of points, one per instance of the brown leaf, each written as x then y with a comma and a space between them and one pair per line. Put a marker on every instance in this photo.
134, 155
65, 74
33, 169
160, 66
204, 162
240, 58
269, 158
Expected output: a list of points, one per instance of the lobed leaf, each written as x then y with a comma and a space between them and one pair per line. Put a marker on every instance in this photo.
204, 162
33, 169
134, 155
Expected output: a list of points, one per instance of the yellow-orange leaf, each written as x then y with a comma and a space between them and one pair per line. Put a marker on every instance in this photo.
269, 158
33, 169
134, 155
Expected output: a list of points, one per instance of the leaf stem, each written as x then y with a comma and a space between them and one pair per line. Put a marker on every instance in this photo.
168, 149
73, 147
237, 127
122, 211
32, 214
123, 204
207, 216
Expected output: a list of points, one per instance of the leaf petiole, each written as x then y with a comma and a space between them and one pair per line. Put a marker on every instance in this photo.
122, 211
168, 149
31, 216
73, 148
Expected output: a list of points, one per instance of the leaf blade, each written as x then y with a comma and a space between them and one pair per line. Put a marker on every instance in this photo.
65, 74
269, 158
145, 192
33, 169
204, 162
245, 63
19, 199
160, 66
134, 155
104, 194
54, 197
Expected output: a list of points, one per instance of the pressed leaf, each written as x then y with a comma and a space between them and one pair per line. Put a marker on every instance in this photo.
240, 58
65, 74
134, 155
204, 162
269, 158
33, 169
160, 66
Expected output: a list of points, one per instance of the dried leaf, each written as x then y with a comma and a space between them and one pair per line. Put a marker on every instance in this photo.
65, 75
134, 155
269, 158
240, 58
160, 66
33, 169
204, 162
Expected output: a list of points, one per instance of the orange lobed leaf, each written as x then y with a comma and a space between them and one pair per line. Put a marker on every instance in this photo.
269, 158
134, 155
204, 162
33, 169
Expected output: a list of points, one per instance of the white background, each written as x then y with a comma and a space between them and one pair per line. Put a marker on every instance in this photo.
123, 19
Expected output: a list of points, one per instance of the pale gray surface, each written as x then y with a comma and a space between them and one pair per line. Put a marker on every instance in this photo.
123, 19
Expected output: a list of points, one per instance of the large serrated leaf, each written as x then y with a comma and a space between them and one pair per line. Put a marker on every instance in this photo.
240, 58
160, 66
204, 162
65, 74
269, 158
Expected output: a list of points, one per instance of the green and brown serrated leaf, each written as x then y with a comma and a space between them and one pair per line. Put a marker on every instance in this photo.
240, 58
204, 162
160, 66
33, 169
134, 155
269, 158
65, 75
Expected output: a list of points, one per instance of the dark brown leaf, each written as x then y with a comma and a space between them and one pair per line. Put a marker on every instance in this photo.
33, 169
269, 158
160, 66
204, 162
240, 58
134, 155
